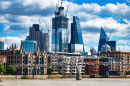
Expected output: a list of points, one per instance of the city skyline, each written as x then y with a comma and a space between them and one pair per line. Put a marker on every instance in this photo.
16, 20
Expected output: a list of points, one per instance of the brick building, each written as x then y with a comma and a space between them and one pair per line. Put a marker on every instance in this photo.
91, 69
122, 57
3, 60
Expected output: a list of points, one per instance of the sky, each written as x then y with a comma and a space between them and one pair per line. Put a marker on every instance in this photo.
16, 16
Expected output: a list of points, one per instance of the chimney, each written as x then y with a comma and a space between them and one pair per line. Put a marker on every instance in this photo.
12, 45
21, 47
43, 51
56, 53
37, 48
15, 45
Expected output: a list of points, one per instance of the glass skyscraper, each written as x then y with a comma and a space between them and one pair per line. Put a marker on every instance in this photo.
60, 31
76, 43
29, 46
1, 45
104, 39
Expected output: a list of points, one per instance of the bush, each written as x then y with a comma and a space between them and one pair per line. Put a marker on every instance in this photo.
49, 71
11, 70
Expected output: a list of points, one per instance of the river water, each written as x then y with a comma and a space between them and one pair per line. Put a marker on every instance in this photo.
66, 82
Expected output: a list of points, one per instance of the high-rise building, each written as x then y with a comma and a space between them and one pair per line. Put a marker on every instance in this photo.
45, 41
35, 34
76, 43
29, 46
1, 45
104, 40
60, 31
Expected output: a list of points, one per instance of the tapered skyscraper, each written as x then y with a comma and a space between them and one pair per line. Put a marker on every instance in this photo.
76, 43
60, 31
104, 40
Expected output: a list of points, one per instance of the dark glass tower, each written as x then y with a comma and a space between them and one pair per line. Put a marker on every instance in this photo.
76, 42
104, 39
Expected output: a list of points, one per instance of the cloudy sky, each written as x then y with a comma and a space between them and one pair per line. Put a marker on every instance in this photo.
17, 15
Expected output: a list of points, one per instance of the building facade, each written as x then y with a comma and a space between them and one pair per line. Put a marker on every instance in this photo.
3, 60
91, 69
68, 67
60, 31
1, 45
35, 34
76, 43
25, 61
104, 40
29, 46
122, 57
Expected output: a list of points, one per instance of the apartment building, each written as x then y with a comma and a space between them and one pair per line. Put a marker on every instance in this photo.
122, 57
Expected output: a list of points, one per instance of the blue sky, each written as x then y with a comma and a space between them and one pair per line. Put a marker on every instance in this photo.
16, 16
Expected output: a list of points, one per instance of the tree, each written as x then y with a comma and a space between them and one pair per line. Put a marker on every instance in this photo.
2, 69
11, 70
49, 71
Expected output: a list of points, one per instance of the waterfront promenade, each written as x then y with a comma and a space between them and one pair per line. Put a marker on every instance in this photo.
67, 82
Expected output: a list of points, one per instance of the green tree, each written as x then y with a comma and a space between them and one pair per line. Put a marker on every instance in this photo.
11, 70
49, 71
2, 69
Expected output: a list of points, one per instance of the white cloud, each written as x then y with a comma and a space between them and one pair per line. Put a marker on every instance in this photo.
9, 40
5, 5
123, 48
123, 41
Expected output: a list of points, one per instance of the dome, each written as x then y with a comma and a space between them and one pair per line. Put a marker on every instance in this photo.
105, 48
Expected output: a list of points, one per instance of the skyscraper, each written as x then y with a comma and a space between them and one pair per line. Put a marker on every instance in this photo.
1, 45
76, 43
35, 34
60, 31
45, 41
104, 39
29, 46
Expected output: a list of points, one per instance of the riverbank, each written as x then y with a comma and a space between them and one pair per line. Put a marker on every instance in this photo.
66, 82
54, 76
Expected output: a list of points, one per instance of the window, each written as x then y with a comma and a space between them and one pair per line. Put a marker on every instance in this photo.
108, 54
17, 57
114, 54
11, 57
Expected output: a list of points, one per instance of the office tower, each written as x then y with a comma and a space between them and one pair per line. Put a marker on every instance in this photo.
104, 40
45, 41
93, 51
1, 45
35, 34
29, 46
76, 43
60, 31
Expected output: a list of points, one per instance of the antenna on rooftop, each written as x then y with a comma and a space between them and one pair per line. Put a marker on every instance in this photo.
61, 3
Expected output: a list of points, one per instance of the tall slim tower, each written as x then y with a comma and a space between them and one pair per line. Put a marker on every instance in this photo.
59, 31
76, 43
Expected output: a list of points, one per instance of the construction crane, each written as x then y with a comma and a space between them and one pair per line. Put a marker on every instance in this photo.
66, 11
110, 35
40, 25
48, 33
